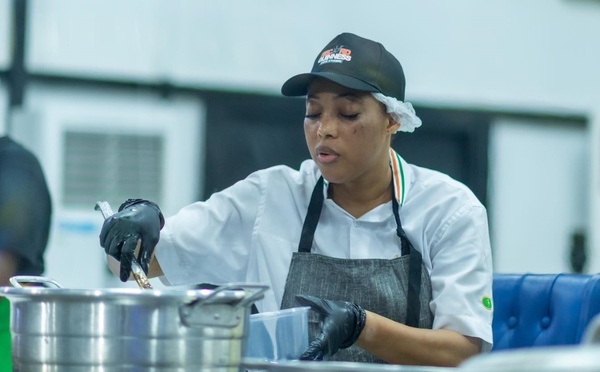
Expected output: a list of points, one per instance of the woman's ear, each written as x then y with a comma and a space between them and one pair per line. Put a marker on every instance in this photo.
393, 125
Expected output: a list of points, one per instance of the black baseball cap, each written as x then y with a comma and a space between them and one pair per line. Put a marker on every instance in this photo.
356, 63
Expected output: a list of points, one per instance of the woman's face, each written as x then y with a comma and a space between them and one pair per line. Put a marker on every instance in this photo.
347, 132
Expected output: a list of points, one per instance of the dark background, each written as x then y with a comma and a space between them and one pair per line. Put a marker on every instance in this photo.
246, 133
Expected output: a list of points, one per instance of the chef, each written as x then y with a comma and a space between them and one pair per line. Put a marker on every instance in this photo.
393, 258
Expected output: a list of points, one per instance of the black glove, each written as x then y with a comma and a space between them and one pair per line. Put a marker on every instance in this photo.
137, 219
341, 324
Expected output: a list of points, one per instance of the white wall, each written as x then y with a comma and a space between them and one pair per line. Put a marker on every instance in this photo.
3, 108
120, 40
528, 54
594, 192
5, 33
5, 28
539, 178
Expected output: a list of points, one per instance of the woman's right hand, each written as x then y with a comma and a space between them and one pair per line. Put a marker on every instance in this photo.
137, 220
341, 324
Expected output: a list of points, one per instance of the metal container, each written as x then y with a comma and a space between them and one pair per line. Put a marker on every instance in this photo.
256, 365
592, 331
580, 358
58, 329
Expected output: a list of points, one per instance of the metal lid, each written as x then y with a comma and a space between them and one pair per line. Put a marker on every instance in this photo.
52, 291
118, 294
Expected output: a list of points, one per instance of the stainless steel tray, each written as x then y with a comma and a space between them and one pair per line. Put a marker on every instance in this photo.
580, 358
306, 366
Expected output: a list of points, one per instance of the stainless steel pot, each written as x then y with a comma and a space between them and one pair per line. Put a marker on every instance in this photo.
58, 329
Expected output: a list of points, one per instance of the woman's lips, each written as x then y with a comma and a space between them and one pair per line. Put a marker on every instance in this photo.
326, 155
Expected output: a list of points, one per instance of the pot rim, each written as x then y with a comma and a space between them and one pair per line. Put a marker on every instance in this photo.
40, 293
239, 294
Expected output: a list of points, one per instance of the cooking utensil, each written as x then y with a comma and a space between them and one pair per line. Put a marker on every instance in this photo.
137, 271
55, 329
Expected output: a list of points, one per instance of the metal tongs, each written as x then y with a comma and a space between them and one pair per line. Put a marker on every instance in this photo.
136, 269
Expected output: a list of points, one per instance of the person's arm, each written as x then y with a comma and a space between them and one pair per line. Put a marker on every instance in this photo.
461, 283
210, 241
399, 344
344, 324
8, 267
218, 229
461, 277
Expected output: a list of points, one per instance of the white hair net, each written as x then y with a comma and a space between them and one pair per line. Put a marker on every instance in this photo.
402, 112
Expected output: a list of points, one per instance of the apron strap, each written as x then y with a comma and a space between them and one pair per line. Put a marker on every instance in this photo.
405, 245
413, 311
312, 218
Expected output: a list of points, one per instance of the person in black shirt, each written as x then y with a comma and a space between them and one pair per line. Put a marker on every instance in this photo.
25, 212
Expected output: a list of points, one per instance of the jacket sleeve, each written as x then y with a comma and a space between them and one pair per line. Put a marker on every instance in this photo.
210, 241
461, 275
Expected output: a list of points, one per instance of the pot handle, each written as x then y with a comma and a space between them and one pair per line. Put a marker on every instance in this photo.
48, 283
253, 296
228, 316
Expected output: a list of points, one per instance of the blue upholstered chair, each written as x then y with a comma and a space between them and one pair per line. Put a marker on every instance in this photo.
533, 310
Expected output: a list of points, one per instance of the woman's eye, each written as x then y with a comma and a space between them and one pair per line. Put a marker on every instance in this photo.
311, 116
349, 116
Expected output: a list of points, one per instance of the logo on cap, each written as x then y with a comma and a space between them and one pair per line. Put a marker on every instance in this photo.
338, 54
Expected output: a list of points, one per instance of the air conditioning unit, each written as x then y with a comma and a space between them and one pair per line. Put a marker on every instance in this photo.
107, 145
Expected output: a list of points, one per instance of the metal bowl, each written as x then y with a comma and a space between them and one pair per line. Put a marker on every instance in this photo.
581, 358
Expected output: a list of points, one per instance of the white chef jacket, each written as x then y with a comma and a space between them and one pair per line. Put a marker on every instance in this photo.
248, 232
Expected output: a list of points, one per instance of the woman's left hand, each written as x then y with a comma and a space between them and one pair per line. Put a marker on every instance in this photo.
341, 324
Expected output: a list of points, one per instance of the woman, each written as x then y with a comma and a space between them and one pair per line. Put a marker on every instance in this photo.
394, 258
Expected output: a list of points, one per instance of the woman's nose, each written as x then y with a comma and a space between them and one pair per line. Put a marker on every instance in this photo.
327, 126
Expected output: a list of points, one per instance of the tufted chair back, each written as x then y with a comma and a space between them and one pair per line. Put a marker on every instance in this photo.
543, 309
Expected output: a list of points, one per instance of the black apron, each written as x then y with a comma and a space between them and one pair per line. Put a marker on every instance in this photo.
398, 289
